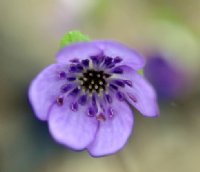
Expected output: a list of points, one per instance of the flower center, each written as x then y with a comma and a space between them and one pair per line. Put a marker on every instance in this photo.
94, 81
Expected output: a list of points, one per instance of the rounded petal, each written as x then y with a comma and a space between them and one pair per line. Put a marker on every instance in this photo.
84, 50
141, 95
80, 50
115, 49
45, 88
74, 129
113, 133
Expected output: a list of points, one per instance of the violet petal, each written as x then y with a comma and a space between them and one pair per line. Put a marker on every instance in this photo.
113, 133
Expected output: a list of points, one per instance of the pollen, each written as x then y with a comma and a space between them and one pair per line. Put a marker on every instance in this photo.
93, 80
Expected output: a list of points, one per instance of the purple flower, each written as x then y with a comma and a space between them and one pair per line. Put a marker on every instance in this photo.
168, 80
85, 96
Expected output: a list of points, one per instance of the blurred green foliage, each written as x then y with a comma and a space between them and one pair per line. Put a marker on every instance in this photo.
72, 37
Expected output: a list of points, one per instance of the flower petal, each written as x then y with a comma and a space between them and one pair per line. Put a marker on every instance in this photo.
80, 51
113, 133
72, 128
83, 50
141, 95
115, 49
45, 88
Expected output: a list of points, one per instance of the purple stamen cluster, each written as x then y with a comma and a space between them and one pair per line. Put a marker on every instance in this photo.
93, 80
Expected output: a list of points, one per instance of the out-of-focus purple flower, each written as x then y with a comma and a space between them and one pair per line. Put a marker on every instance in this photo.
85, 96
167, 78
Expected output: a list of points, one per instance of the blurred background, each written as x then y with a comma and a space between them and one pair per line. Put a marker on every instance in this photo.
167, 33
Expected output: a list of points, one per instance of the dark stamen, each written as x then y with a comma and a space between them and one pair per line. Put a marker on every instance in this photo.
74, 92
92, 111
82, 100
93, 100
117, 70
75, 60
128, 82
62, 75
119, 83
107, 75
101, 117
72, 69
60, 101
74, 107
85, 62
101, 58
79, 68
111, 65
65, 88
113, 87
108, 61
94, 60
75, 68
117, 60
71, 78
120, 96
108, 98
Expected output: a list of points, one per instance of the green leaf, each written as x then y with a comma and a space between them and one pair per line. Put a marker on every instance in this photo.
73, 37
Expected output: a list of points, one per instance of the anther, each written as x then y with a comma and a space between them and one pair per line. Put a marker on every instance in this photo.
60, 101
111, 65
101, 89
92, 80
117, 60
96, 87
74, 92
74, 107
74, 60
94, 60
71, 78
92, 111
120, 96
90, 74
79, 68
108, 61
72, 69
85, 62
82, 100
128, 82
93, 100
65, 88
62, 75
113, 87
108, 98
117, 70
119, 83
106, 75
101, 117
